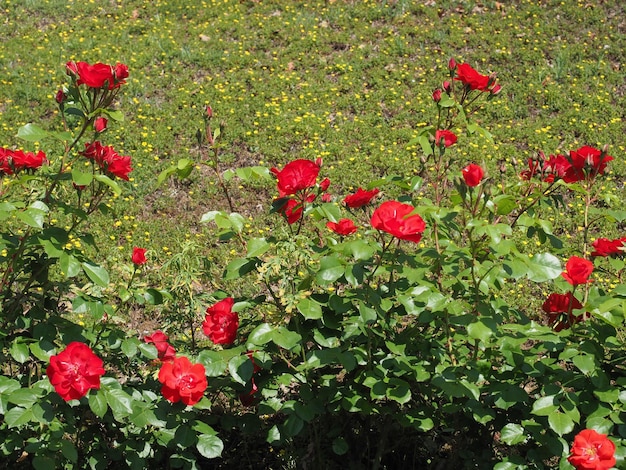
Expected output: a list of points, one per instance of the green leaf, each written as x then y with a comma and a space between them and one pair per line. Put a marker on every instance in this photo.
310, 309
331, 268
340, 446
69, 450
116, 115
261, 335
543, 267
17, 416
512, 434
240, 267
69, 265
285, 338
19, 350
120, 402
149, 351
32, 133
25, 397
97, 274
256, 247
130, 347
240, 368
210, 446
33, 217
544, 406
98, 403
585, 362
214, 363
80, 178
560, 423
479, 330
110, 183
144, 416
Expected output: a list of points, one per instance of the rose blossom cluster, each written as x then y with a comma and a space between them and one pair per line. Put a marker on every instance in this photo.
583, 164
108, 159
14, 161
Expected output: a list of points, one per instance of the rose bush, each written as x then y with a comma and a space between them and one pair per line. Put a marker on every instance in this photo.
331, 347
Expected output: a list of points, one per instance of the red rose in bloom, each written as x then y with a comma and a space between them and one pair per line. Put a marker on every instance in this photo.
118, 166
585, 163
94, 76
221, 323
556, 305
139, 256
448, 138
183, 381
470, 77
592, 451
100, 124
394, 217
165, 350
343, 227
577, 271
360, 198
292, 211
472, 174
74, 371
108, 159
558, 165
28, 160
296, 176
606, 247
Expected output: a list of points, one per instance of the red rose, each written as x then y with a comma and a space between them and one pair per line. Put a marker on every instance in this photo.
585, 163
291, 210
100, 124
471, 78
108, 159
165, 350
395, 218
221, 323
606, 247
437, 95
592, 451
448, 137
557, 305
28, 160
577, 271
120, 73
360, 198
183, 381
94, 76
118, 166
472, 174
74, 371
343, 227
298, 175
139, 256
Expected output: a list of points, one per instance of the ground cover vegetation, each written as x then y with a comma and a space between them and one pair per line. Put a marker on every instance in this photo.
302, 234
